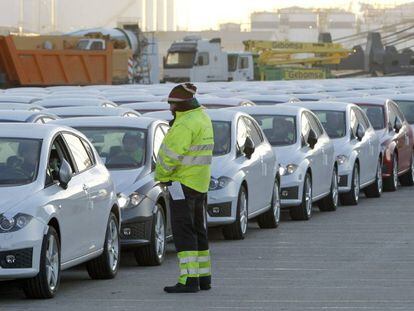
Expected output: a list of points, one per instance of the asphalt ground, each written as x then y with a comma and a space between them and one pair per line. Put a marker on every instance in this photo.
357, 258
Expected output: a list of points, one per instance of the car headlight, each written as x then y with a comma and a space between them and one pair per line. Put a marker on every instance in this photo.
14, 223
288, 169
341, 159
219, 183
133, 200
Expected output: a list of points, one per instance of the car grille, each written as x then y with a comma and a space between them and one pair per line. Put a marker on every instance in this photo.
343, 181
135, 231
16, 259
290, 193
219, 210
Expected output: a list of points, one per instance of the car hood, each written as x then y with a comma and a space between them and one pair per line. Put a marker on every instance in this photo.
10, 197
288, 154
221, 165
125, 179
341, 146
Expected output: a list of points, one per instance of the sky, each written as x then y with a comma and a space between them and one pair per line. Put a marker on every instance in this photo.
196, 15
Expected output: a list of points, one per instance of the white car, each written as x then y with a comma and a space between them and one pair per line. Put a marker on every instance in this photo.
92, 111
245, 182
129, 149
309, 172
58, 207
357, 148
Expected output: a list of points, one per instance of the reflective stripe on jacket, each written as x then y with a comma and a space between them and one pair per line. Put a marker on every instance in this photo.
186, 152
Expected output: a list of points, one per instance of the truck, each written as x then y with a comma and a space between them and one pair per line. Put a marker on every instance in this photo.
96, 56
201, 60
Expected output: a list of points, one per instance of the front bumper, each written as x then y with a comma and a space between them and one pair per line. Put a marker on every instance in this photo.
136, 226
24, 244
222, 206
291, 190
345, 178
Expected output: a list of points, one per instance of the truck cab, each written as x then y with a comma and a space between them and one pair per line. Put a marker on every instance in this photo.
197, 60
240, 66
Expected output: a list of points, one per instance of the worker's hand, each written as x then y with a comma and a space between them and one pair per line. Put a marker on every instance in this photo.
166, 184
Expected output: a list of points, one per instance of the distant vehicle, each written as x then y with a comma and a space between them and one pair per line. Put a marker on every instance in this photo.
245, 181
309, 172
357, 148
23, 116
406, 104
92, 111
129, 149
22, 99
271, 99
133, 98
58, 208
313, 97
147, 106
199, 60
216, 103
396, 137
74, 102
17, 106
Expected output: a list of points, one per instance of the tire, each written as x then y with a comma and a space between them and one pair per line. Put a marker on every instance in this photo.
408, 178
330, 202
271, 218
304, 210
238, 229
153, 254
46, 283
375, 190
107, 264
391, 183
352, 197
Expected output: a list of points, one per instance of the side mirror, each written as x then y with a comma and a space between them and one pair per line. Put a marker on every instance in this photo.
248, 147
360, 132
397, 124
312, 139
65, 174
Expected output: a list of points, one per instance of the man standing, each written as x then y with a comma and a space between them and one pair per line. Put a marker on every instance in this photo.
184, 162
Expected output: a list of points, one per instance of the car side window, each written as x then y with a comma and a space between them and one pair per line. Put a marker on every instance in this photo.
158, 138
89, 150
392, 115
305, 127
241, 133
398, 112
79, 153
315, 124
253, 132
362, 119
58, 153
353, 122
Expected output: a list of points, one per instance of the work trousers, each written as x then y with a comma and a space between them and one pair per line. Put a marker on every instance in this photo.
189, 227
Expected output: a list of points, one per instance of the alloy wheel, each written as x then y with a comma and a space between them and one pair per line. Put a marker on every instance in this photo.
308, 197
395, 172
276, 202
52, 263
159, 233
379, 177
113, 245
356, 184
335, 195
243, 212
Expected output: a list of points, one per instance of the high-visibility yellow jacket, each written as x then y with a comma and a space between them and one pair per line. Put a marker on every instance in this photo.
186, 152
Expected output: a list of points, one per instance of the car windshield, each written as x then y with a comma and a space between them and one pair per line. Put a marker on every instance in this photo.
180, 60
279, 130
19, 160
232, 62
333, 122
407, 107
119, 148
375, 115
222, 137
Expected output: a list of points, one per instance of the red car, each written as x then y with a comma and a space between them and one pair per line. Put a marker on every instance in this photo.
396, 137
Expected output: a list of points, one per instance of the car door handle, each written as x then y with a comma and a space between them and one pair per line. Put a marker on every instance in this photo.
85, 188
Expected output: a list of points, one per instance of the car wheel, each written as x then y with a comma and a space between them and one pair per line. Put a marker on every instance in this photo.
153, 254
106, 265
238, 229
374, 190
408, 178
352, 197
271, 218
304, 210
330, 202
391, 183
46, 283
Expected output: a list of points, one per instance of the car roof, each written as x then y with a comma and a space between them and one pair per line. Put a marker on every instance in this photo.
282, 109
323, 105
61, 101
147, 105
233, 101
87, 110
29, 130
22, 115
369, 100
270, 97
108, 122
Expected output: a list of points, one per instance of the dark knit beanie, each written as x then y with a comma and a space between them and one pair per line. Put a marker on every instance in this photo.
183, 93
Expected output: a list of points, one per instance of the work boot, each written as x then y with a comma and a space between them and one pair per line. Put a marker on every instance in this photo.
191, 286
205, 282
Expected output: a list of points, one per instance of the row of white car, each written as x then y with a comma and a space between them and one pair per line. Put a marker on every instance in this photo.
81, 187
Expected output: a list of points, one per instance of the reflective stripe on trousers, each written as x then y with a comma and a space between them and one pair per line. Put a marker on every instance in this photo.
194, 264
